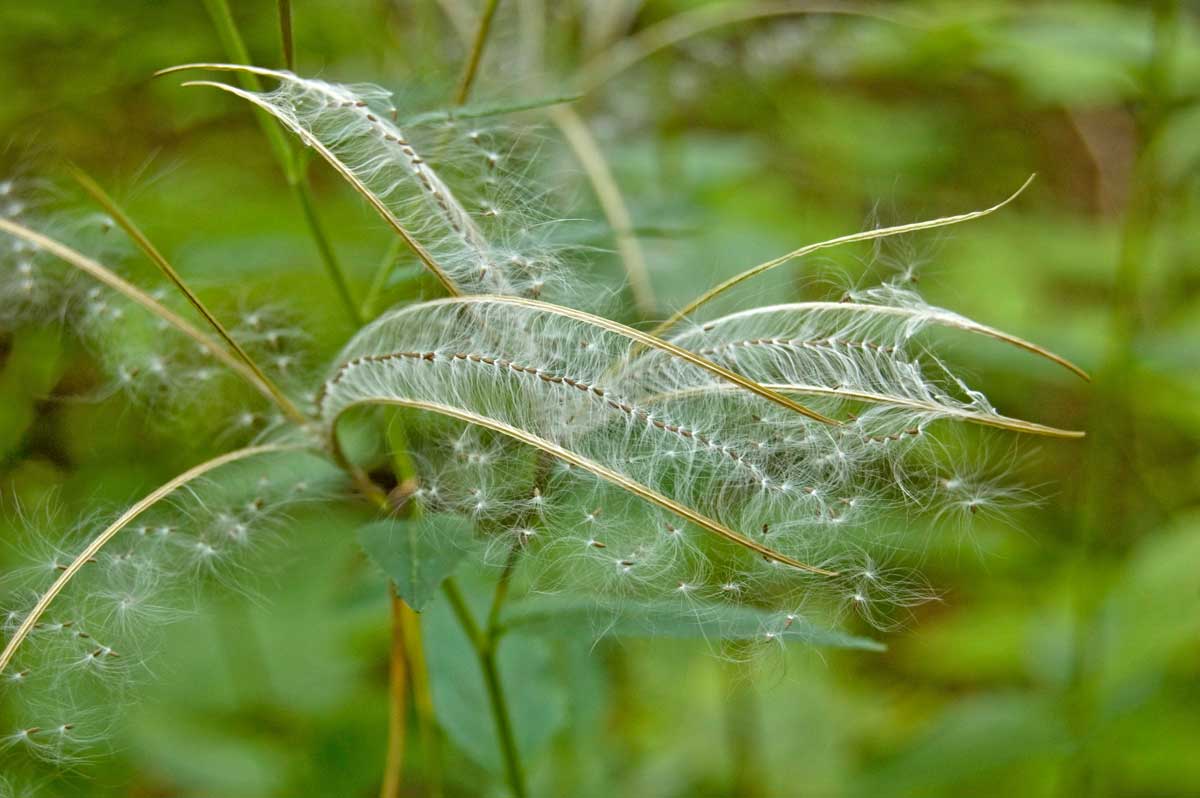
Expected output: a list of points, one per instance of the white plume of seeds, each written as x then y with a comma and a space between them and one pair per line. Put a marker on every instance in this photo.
863, 347
743, 459
464, 198
141, 354
783, 486
89, 646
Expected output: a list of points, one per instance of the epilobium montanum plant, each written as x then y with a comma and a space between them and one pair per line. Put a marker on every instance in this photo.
724, 470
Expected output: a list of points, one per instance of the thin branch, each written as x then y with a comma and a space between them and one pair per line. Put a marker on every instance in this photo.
486, 654
865, 235
137, 295
235, 50
285, 34
130, 227
111, 531
292, 164
476, 55
934, 315
422, 699
397, 705
645, 340
603, 472
612, 203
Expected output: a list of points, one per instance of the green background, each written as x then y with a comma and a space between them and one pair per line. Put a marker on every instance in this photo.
1062, 658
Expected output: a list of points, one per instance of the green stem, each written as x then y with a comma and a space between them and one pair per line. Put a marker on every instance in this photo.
422, 701
472, 65
134, 232
398, 679
408, 624
484, 643
379, 281
285, 34
304, 196
293, 166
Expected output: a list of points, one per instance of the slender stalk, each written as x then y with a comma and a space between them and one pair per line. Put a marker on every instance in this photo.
398, 673
379, 281
144, 244
235, 50
476, 55
865, 235
312, 141
591, 466
112, 280
293, 166
485, 651
422, 700
612, 204
407, 644
100, 541
338, 277
501, 593
285, 35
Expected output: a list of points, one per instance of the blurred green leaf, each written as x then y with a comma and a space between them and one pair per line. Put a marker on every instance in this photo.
982, 742
536, 698
32, 368
1153, 613
418, 554
567, 615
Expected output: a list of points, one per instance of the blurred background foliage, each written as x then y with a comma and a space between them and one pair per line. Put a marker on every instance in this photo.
1064, 656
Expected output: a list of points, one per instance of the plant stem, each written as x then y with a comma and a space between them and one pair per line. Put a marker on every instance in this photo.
285, 34
379, 281
397, 702
501, 593
293, 166
400, 659
484, 643
588, 152
743, 730
422, 700
472, 65
303, 192
133, 231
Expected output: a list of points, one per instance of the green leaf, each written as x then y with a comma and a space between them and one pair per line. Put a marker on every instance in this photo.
1002, 740
677, 619
1160, 583
418, 554
482, 110
537, 700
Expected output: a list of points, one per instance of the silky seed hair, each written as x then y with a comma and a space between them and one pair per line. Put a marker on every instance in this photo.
89, 651
467, 190
797, 486
764, 457
140, 355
